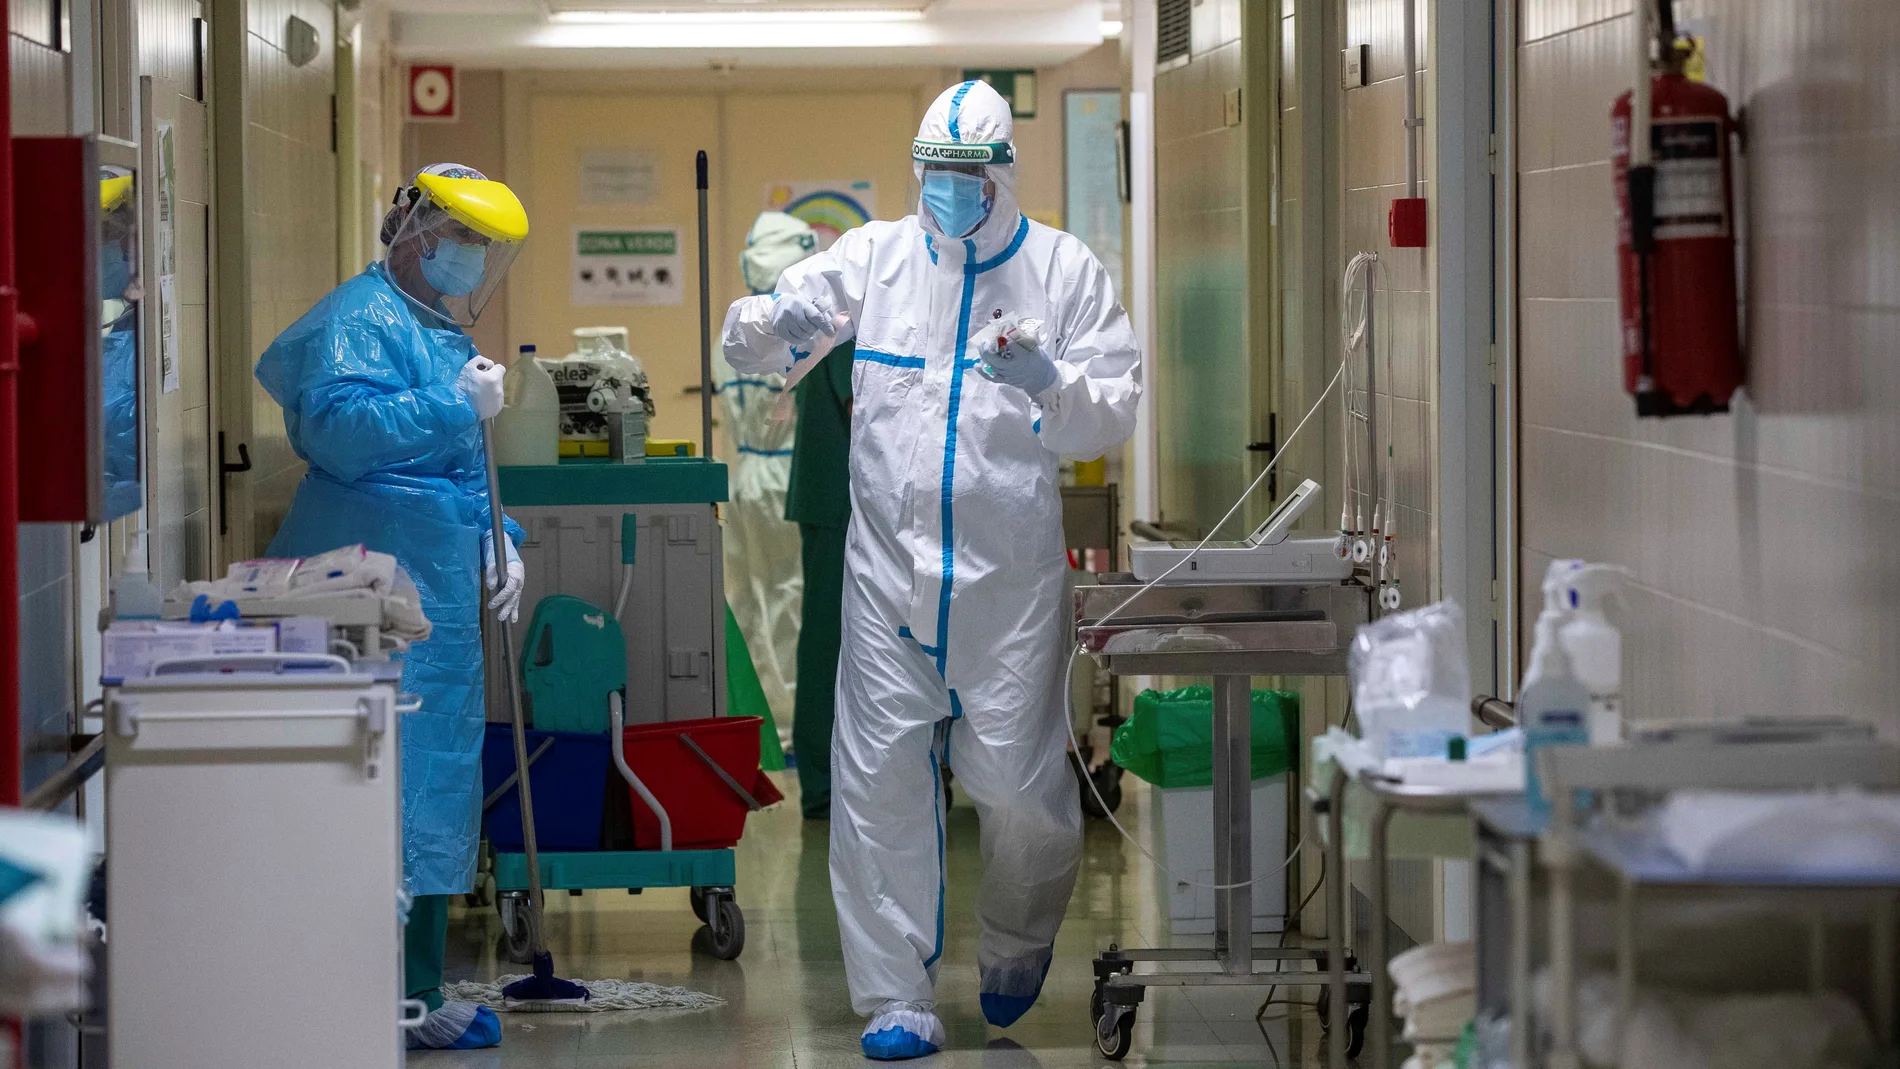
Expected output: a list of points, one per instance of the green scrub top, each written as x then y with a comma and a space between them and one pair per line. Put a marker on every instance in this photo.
820, 490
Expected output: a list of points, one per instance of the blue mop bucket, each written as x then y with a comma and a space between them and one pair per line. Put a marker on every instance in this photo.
569, 780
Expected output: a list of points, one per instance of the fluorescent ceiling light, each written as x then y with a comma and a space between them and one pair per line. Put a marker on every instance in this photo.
678, 18
1111, 28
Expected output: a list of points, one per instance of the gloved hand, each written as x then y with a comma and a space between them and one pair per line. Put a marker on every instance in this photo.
506, 604
1012, 353
480, 381
797, 320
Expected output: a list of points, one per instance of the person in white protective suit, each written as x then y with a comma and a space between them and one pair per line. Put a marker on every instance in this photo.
763, 574
953, 643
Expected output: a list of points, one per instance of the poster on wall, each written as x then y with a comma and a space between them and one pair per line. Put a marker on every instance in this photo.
167, 260
618, 177
830, 207
628, 266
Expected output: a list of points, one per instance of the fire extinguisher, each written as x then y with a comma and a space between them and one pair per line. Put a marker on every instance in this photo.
1675, 224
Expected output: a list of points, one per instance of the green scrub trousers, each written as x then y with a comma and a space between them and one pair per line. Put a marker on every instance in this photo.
425, 942
819, 501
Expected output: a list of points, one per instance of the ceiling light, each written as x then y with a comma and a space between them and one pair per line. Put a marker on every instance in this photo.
657, 18
1111, 28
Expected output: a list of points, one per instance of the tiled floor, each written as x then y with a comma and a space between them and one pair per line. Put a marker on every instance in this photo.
785, 997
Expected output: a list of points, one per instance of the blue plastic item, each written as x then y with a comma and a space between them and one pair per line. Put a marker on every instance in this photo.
573, 657
570, 784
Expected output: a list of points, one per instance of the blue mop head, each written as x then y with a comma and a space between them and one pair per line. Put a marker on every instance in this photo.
543, 988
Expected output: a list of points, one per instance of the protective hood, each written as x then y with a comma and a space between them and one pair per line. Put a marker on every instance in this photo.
777, 241
968, 128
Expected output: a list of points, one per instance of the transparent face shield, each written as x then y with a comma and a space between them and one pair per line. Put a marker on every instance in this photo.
958, 184
445, 266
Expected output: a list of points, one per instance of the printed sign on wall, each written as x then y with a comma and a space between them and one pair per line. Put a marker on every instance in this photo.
628, 266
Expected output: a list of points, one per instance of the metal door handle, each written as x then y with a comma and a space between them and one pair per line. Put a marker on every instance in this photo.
225, 470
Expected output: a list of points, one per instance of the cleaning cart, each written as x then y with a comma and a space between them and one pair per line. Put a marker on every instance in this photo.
617, 806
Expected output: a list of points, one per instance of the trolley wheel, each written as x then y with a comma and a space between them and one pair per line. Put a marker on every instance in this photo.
1115, 1032
1358, 1014
483, 894
516, 943
697, 896
725, 929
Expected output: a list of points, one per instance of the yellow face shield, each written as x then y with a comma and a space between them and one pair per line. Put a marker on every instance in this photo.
456, 244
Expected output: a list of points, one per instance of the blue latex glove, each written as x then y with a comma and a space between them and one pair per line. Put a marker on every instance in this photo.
797, 320
1013, 354
506, 604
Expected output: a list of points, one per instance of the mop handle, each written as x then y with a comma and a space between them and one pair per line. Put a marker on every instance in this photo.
499, 532
705, 314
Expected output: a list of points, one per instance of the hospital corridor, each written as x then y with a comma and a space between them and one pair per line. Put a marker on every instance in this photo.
1062, 534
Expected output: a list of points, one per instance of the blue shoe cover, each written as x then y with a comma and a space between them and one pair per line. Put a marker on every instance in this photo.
1011, 988
895, 1044
902, 1030
457, 1026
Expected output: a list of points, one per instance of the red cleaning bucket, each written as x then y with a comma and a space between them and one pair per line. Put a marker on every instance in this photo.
676, 760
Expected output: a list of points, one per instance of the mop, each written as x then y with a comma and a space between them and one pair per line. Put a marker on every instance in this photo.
543, 990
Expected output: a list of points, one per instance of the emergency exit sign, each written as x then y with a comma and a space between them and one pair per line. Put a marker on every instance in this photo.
1018, 87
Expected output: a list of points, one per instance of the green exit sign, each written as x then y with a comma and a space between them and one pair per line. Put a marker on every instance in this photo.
1017, 87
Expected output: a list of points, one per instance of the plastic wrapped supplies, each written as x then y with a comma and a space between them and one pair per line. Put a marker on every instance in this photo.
1686, 1030
1411, 681
1822, 833
602, 387
44, 863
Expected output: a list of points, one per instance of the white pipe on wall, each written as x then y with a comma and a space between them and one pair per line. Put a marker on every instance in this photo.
1140, 32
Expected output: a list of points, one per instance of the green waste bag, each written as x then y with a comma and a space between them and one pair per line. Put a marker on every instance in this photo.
1169, 741
746, 697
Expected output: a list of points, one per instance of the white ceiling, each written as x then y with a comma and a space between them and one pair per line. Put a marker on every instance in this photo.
765, 33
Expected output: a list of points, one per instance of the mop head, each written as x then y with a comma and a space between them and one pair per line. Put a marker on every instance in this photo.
543, 993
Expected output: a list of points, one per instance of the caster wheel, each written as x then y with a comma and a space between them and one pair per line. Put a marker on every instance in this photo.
1115, 1032
697, 896
725, 928
1356, 1018
483, 895
516, 943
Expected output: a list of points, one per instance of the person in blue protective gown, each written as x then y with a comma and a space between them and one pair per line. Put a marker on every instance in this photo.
119, 296
383, 397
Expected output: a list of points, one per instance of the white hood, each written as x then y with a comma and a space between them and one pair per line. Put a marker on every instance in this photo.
972, 113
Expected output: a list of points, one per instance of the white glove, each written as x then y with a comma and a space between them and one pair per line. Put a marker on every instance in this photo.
1012, 353
480, 381
797, 320
506, 604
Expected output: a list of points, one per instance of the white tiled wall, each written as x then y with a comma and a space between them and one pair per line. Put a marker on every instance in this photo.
1763, 540
291, 175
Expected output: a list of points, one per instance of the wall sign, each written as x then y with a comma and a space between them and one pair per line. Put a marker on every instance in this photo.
1016, 86
432, 93
627, 266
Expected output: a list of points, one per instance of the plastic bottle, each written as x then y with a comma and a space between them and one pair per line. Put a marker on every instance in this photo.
1594, 647
1553, 707
528, 430
133, 595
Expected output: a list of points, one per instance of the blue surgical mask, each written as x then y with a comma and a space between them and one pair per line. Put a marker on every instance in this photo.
454, 270
115, 271
956, 201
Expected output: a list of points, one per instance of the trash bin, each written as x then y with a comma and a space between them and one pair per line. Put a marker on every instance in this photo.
1169, 742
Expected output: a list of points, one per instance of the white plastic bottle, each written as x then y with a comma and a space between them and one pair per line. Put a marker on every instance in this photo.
1594, 647
528, 430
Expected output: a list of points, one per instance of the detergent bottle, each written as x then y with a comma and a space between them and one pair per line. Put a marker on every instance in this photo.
528, 430
1594, 647
1554, 706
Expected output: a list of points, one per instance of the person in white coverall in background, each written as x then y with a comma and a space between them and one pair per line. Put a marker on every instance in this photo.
763, 575
953, 623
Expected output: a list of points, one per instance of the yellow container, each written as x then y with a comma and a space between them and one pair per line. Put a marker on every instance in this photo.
669, 447
1091, 472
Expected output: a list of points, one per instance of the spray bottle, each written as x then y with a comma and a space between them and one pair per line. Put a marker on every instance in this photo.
1594, 647
1553, 707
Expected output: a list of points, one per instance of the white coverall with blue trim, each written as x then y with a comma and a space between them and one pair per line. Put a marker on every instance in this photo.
953, 615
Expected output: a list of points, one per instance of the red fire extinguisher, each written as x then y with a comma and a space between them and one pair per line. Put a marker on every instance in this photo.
1675, 245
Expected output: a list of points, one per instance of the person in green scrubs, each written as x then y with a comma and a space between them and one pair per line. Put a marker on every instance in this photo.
819, 501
